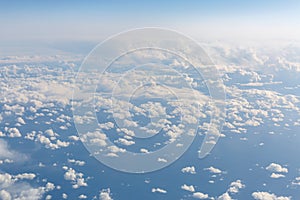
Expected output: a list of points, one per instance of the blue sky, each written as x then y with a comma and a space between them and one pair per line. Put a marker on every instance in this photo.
89, 20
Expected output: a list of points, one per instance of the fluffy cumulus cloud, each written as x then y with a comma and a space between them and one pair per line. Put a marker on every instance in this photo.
14, 132
273, 167
213, 170
200, 195
190, 170
275, 175
189, 188
49, 144
76, 178
233, 188
268, 196
236, 186
225, 196
105, 194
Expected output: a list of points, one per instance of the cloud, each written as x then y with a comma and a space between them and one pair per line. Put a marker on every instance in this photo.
50, 133
296, 181
82, 196
268, 196
95, 138
4, 195
224, 196
273, 167
52, 142
189, 188
105, 194
143, 150
28, 176
236, 186
8, 154
159, 190
74, 137
13, 132
20, 121
125, 142
274, 175
2, 134
16, 187
76, 162
107, 125
251, 112
50, 186
213, 170
76, 178
190, 170
200, 195
162, 160
64, 196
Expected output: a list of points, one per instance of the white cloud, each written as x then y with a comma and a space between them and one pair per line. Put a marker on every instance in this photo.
4, 195
268, 196
82, 196
50, 133
74, 137
28, 176
143, 150
162, 160
213, 170
248, 115
225, 196
13, 132
200, 195
190, 170
159, 190
189, 188
115, 149
296, 181
49, 186
95, 138
107, 125
275, 175
273, 167
50, 143
2, 134
105, 194
76, 162
125, 142
64, 196
62, 143
20, 120
76, 178
6, 180
236, 186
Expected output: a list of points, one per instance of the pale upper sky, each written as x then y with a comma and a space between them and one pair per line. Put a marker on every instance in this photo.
95, 20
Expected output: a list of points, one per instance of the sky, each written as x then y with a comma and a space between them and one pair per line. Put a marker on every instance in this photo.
95, 20
259, 142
